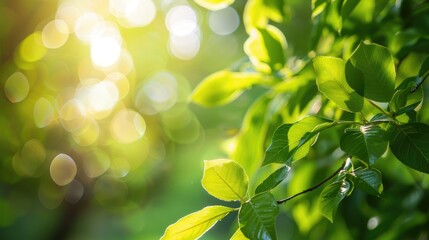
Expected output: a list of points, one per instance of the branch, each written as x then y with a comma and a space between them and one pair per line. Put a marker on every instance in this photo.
314, 187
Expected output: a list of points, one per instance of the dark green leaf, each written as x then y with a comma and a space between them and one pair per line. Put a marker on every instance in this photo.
273, 180
257, 217
410, 144
331, 81
331, 197
367, 142
371, 72
424, 69
406, 97
368, 180
265, 48
292, 141
347, 8
380, 117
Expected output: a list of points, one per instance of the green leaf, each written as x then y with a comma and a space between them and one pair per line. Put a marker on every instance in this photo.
253, 17
223, 87
273, 180
196, 224
331, 197
368, 180
274, 9
238, 235
406, 97
347, 7
257, 217
317, 7
214, 4
331, 81
292, 141
367, 142
410, 144
225, 179
424, 69
371, 72
265, 48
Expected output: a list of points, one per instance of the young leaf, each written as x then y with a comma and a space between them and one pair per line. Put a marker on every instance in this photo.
410, 144
214, 4
265, 48
293, 141
196, 224
274, 9
257, 217
331, 197
406, 97
225, 179
238, 235
331, 81
371, 72
223, 87
273, 180
368, 180
253, 17
367, 142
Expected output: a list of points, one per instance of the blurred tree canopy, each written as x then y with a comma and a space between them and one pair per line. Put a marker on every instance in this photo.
106, 119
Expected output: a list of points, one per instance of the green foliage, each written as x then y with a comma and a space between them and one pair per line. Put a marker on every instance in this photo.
257, 217
225, 179
357, 97
196, 224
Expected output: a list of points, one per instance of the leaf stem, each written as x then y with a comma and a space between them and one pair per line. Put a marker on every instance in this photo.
381, 110
420, 83
314, 187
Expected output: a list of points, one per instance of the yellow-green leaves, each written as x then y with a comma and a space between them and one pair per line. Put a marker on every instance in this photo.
238, 235
370, 71
265, 48
225, 180
196, 224
214, 4
331, 81
223, 87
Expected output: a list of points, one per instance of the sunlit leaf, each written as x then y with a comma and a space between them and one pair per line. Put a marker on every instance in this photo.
367, 142
368, 180
265, 48
225, 179
253, 16
257, 217
331, 197
331, 81
214, 4
371, 72
223, 87
196, 224
273, 180
410, 144
274, 9
317, 7
238, 235
292, 141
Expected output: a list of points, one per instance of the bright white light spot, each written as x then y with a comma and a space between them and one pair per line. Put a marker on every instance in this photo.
98, 97
373, 223
63, 169
87, 26
127, 126
72, 115
224, 22
55, 34
181, 20
184, 47
105, 51
135, 13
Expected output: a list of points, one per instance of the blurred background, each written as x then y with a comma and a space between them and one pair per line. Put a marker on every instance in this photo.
98, 139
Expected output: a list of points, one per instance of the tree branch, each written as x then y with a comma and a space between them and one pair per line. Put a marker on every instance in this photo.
314, 187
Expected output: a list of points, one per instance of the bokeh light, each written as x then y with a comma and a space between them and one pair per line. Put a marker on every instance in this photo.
55, 34
224, 22
127, 126
16, 87
43, 112
63, 169
134, 13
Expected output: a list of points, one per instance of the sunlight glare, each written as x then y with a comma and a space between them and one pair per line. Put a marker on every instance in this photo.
181, 20
105, 51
